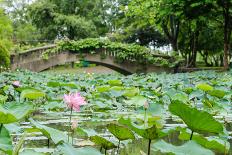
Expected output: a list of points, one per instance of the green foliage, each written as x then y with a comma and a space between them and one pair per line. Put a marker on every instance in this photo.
55, 135
13, 112
213, 143
124, 52
32, 94
5, 141
122, 133
108, 103
189, 148
150, 133
196, 120
67, 149
102, 142
75, 20
5, 36
4, 56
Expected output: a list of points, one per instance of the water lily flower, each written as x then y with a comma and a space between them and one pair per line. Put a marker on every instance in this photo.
16, 83
74, 101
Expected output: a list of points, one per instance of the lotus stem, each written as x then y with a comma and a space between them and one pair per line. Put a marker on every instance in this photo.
1, 128
191, 136
105, 151
72, 137
48, 142
118, 147
70, 123
145, 118
149, 147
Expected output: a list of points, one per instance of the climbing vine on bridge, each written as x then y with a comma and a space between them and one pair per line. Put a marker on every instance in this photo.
121, 51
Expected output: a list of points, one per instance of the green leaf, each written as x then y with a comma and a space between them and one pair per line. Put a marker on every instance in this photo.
30, 152
67, 149
181, 97
55, 135
32, 94
196, 120
70, 85
122, 133
138, 101
217, 93
102, 142
3, 98
115, 82
102, 89
131, 92
13, 112
85, 132
148, 133
205, 87
212, 143
189, 148
5, 141
53, 84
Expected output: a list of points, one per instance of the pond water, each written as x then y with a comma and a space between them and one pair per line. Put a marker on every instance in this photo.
97, 121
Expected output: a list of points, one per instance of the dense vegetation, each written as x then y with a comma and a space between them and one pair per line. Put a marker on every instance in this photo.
198, 31
94, 114
121, 113
123, 52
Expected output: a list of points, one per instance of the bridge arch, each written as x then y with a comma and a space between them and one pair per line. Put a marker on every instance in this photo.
33, 60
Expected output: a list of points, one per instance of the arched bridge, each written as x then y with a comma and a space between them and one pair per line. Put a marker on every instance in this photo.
33, 60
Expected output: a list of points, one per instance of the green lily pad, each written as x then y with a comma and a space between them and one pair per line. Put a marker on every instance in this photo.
3, 98
131, 92
67, 149
205, 87
55, 135
53, 84
115, 82
13, 112
189, 148
85, 132
102, 142
5, 141
212, 143
148, 133
138, 101
196, 120
30, 152
122, 133
32, 94
217, 93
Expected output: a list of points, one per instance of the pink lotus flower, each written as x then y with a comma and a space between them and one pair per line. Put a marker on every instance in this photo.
16, 83
74, 101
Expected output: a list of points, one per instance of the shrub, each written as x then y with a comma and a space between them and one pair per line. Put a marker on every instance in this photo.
4, 56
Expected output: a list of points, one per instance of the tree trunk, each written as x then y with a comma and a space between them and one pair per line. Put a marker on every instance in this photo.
226, 35
172, 32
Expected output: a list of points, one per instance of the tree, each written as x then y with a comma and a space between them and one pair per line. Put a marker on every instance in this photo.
73, 19
160, 14
226, 8
5, 36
